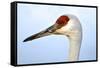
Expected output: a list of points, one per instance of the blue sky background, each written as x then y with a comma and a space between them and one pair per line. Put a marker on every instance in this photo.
33, 18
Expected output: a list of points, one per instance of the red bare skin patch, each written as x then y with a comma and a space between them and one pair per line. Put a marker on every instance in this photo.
62, 20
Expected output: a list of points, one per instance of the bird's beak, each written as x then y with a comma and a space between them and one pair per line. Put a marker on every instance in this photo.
46, 32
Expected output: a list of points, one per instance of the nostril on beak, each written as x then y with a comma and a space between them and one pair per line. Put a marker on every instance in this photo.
50, 31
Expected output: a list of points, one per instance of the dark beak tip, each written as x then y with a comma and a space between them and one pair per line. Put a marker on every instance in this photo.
35, 36
24, 41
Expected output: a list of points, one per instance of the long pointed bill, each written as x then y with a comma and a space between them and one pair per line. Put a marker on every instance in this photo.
38, 35
46, 32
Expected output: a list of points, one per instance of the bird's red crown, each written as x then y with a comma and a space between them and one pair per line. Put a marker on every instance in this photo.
62, 20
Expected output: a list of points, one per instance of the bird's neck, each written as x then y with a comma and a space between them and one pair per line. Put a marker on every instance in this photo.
74, 48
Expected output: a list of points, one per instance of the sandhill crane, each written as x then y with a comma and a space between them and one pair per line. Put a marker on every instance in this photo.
68, 25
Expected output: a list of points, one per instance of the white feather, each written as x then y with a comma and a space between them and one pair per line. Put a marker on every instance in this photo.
74, 32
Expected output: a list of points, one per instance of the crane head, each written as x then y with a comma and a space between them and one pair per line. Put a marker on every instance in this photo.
68, 25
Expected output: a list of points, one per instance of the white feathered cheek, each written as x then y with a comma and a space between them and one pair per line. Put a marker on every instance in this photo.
69, 29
